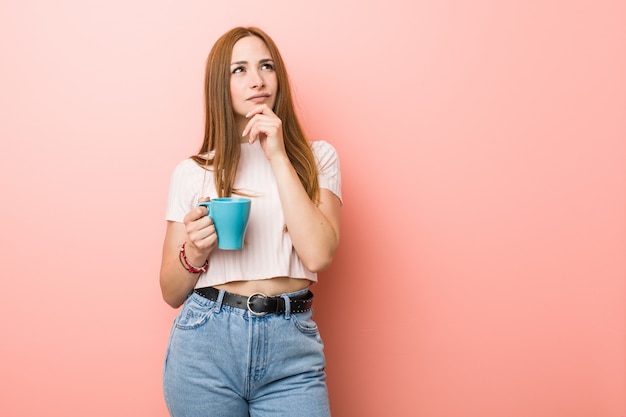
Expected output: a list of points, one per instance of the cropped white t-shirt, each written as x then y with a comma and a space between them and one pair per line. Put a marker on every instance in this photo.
268, 251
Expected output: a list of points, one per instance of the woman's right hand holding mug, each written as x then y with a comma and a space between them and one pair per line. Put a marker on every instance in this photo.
201, 235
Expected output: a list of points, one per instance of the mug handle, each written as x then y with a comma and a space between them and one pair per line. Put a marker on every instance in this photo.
206, 204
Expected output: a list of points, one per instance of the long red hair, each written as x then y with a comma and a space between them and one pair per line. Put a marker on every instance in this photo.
220, 133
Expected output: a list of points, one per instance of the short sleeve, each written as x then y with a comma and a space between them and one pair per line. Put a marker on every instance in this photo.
182, 195
329, 173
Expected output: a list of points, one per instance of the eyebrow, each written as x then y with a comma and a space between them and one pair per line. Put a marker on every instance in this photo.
262, 61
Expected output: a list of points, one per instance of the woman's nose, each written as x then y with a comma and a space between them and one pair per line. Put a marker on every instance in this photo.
256, 79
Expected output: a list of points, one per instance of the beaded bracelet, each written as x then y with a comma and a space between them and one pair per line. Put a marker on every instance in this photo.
189, 267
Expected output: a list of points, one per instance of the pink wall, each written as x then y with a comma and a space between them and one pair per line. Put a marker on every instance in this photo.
482, 269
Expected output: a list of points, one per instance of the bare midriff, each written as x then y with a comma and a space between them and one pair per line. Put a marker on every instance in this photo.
269, 287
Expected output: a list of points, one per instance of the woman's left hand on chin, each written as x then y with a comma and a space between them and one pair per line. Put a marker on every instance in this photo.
264, 126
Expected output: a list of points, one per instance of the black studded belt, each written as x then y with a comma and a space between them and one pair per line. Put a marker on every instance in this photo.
259, 304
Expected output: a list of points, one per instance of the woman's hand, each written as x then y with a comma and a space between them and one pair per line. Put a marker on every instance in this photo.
201, 235
264, 126
198, 231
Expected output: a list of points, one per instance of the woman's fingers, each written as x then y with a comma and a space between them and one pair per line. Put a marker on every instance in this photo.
260, 109
264, 126
264, 119
261, 129
195, 214
258, 125
200, 228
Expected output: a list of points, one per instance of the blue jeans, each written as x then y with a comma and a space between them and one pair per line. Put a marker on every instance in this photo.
225, 362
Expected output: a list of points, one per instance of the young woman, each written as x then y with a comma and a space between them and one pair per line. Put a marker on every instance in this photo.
245, 343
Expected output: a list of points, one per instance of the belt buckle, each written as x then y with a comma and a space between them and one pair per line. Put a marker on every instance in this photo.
249, 302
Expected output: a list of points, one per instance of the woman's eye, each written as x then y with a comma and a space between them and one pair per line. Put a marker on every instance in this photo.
237, 70
267, 66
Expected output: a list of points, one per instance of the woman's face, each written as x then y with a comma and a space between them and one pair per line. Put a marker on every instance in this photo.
252, 77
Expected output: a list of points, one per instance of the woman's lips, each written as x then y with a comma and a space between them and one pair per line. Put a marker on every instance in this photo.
259, 98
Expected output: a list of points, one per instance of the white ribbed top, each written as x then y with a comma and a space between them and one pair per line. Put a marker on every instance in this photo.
268, 251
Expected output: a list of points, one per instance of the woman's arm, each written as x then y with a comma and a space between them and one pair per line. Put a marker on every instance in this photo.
198, 232
314, 229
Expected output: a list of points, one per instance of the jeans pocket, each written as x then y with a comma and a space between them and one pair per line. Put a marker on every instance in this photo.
305, 324
193, 315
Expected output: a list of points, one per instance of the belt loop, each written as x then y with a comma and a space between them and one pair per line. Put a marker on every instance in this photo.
287, 306
219, 301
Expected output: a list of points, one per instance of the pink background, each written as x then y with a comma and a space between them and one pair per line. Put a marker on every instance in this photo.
483, 143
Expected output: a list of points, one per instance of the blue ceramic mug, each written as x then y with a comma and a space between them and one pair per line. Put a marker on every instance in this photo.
230, 216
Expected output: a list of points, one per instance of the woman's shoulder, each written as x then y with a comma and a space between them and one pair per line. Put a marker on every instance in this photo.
322, 146
323, 149
324, 152
187, 165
